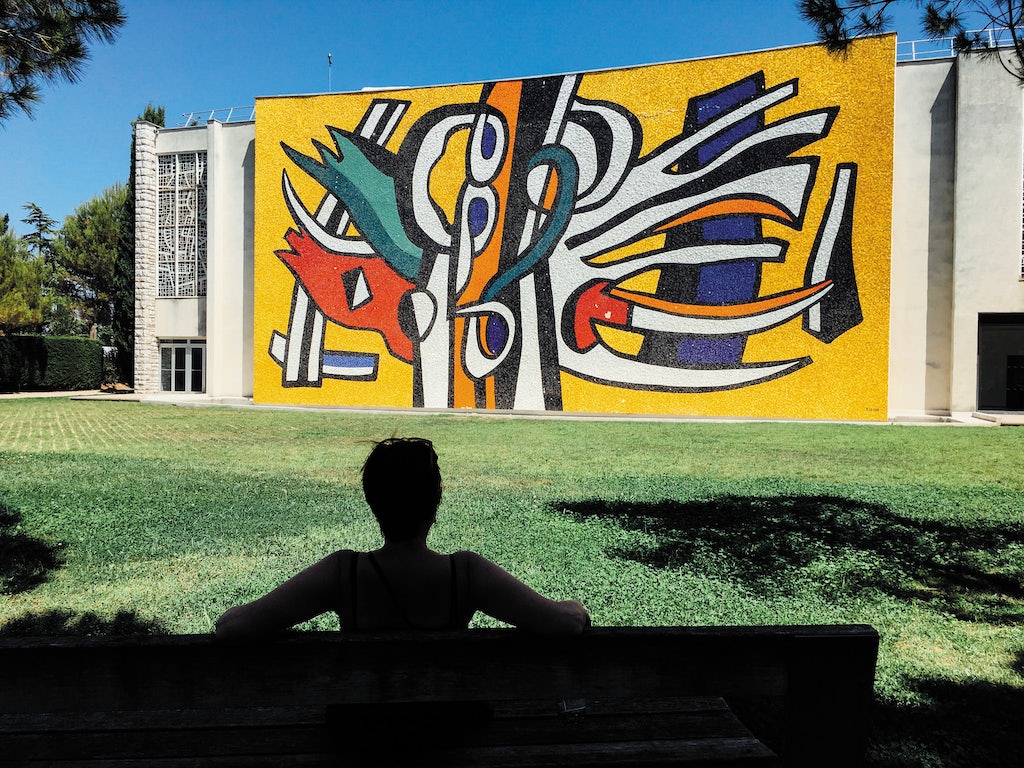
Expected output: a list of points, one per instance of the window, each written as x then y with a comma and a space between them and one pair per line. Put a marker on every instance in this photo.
182, 366
181, 259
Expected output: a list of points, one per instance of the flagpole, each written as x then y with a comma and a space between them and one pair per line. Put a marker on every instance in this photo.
330, 66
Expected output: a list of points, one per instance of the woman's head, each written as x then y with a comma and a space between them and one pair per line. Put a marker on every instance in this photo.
402, 485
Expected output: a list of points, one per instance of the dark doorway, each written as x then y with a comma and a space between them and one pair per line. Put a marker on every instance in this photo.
1001, 362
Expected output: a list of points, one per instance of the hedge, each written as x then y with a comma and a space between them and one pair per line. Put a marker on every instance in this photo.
50, 363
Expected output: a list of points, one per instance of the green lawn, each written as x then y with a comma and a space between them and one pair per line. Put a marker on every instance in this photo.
119, 517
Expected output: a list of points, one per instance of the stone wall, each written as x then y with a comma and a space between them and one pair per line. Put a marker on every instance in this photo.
147, 353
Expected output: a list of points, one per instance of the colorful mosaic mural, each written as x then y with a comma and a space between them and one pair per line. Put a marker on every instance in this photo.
707, 237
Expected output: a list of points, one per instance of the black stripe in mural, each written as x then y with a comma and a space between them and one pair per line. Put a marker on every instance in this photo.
536, 106
840, 310
305, 342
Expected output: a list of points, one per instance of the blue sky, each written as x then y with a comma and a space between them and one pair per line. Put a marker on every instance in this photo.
191, 55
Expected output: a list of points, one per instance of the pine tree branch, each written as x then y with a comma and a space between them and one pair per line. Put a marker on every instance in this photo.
49, 40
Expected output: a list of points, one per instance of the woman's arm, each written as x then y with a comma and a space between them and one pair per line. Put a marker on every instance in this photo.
303, 596
498, 593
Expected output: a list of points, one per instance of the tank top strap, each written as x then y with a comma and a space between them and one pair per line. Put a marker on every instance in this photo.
347, 607
461, 612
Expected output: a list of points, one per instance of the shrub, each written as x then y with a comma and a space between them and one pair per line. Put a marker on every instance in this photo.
50, 363
11, 363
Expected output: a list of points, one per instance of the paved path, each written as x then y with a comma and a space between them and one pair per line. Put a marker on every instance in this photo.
957, 419
18, 395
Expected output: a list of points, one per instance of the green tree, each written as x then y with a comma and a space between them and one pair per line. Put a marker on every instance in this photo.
85, 253
41, 236
123, 289
967, 22
21, 278
61, 316
48, 41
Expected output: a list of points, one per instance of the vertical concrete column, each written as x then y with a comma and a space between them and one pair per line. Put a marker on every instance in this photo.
218, 346
220, 363
987, 214
229, 318
147, 353
921, 292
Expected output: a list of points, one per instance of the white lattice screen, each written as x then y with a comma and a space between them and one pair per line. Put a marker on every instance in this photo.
181, 235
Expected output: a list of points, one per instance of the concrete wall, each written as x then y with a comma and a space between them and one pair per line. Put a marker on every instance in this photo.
956, 243
987, 215
229, 299
924, 152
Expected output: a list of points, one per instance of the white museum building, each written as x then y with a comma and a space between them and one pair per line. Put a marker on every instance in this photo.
956, 339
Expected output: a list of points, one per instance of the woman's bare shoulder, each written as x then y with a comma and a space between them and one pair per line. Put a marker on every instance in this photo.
498, 593
477, 563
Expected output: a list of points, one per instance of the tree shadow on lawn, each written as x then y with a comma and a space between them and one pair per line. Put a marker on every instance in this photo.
25, 562
779, 545
960, 725
787, 544
64, 623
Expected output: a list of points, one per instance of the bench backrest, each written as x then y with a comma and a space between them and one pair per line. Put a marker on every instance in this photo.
819, 680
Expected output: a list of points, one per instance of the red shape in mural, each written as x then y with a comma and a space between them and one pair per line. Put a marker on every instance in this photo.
353, 291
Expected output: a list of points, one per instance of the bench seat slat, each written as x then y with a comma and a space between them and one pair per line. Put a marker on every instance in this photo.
721, 753
160, 744
614, 726
682, 752
230, 761
183, 734
262, 716
154, 719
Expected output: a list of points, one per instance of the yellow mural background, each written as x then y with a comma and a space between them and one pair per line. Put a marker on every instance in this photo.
847, 378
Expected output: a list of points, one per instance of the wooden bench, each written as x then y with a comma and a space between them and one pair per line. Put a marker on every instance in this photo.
614, 696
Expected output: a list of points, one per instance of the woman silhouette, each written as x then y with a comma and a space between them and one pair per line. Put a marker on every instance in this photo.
404, 584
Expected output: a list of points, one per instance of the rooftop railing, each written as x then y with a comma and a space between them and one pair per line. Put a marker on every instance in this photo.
223, 115
942, 48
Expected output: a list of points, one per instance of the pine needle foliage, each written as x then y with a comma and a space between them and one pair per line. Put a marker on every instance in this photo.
967, 22
47, 41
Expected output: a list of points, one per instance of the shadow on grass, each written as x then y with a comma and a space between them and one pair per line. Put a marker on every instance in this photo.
793, 544
56, 623
25, 562
784, 544
962, 725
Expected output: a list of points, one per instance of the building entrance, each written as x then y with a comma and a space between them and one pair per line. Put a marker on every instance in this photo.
1001, 362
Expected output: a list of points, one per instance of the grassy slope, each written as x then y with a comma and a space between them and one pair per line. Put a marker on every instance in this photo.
168, 515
